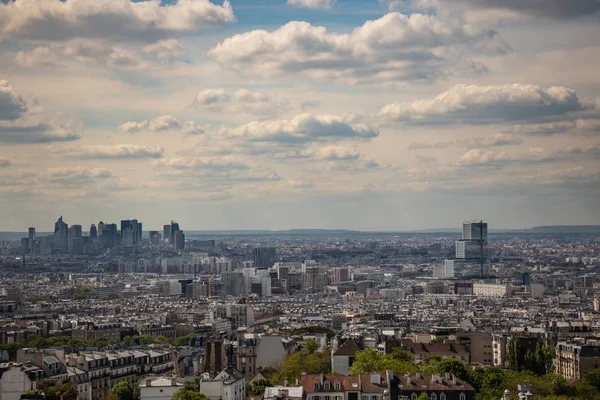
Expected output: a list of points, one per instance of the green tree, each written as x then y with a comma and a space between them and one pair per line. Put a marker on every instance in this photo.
122, 391
162, 339
257, 388
366, 361
145, 339
127, 340
311, 346
184, 340
188, 394
82, 293
423, 396
295, 364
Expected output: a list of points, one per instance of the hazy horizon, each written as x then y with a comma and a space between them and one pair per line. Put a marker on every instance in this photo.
378, 115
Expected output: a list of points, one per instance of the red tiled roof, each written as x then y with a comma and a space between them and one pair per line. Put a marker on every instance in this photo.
360, 382
442, 384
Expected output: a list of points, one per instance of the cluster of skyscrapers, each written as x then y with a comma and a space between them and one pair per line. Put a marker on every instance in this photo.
71, 239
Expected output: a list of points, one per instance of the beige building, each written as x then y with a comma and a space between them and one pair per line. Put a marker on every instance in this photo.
574, 359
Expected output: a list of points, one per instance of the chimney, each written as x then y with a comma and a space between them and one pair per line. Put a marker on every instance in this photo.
322, 379
506, 395
285, 382
407, 376
297, 382
529, 395
376, 379
148, 382
173, 381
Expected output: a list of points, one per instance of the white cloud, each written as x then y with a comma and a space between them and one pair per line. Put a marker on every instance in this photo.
163, 123
486, 104
122, 19
303, 128
478, 157
192, 128
238, 101
394, 48
120, 152
164, 49
311, 3
132, 126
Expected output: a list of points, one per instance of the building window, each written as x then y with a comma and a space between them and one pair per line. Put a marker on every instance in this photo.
327, 398
373, 397
413, 396
433, 396
443, 396
337, 386
365, 398
327, 386
462, 397
316, 387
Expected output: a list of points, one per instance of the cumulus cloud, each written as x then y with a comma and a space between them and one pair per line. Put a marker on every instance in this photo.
475, 142
116, 19
238, 101
472, 104
311, 3
121, 152
12, 104
133, 126
163, 123
394, 48
76, 175
193, 128
303, 128
99, 52
24, 121
479, 157
164, 49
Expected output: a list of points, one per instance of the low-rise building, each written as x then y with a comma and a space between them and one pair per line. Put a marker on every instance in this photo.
159, 388
229, 384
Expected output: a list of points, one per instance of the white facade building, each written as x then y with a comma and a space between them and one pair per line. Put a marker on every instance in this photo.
491, 290
229, 384
160, 388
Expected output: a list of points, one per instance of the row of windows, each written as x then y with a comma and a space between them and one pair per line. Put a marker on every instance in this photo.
327, 386
433, 396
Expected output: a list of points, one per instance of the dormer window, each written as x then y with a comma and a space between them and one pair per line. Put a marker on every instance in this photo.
337, 386
327, 386
316, 387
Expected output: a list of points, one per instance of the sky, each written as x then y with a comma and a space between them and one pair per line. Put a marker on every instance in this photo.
281, 114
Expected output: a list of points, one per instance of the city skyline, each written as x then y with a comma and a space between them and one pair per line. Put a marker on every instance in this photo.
376, 115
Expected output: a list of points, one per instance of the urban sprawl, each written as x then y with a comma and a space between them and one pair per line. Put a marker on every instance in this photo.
116, 312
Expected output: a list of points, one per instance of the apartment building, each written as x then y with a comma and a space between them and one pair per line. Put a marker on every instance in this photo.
574, 359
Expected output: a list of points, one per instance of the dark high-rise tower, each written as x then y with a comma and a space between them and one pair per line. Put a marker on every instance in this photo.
93, 232
167, 233
136, 228
264, 257
61, 236
174, 230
